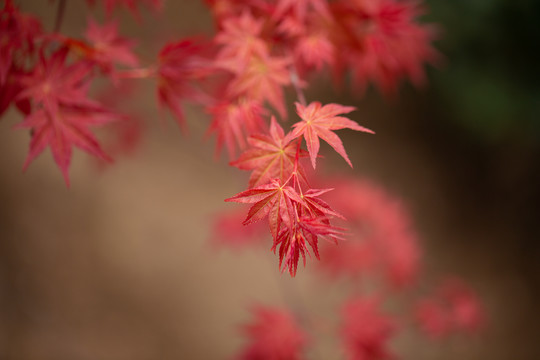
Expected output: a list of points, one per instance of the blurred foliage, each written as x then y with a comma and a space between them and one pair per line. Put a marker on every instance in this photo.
490, 83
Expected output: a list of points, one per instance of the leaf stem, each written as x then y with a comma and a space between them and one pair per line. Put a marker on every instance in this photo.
60, 10
295, 80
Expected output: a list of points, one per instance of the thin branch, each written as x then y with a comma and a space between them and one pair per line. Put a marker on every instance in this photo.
59, 15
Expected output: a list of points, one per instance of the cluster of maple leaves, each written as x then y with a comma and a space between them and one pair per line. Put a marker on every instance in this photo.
380, 258
260, 49
365, 328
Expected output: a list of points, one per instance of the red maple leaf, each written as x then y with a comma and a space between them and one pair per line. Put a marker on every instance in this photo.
62, 112
274, 334
53, 82
180, 66
311, 222
316, 206
296, 220
108, 47
18, 32
318, 122
68, 127
270, 156
274, 200
381, 42
305, 230
10, 90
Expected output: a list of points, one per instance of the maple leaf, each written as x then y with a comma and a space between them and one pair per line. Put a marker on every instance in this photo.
384, 242
296, 221
270, 156
180, 65
293, 241
466, 310
317, 206
274, 334
311, 222
263, 79
452, 308
433, 318
68, 127
63, 112
240, 40
234, 121
18, 32
381, 43
314, 50
318, 121
10, 90
292, 245
53, 83
366, 330
273, 200
108, 47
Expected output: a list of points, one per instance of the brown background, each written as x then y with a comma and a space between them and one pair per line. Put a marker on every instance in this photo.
119, 267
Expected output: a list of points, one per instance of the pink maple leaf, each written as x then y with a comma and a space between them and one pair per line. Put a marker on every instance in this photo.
240, 40
274, 335
234, 121
433, 318
269, 156
319, 121
453, 307
384, 242
263, 79
314, 50
68, 127
467, 313
365, 330
108, 46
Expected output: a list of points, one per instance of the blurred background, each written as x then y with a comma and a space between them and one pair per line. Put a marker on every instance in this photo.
119, 266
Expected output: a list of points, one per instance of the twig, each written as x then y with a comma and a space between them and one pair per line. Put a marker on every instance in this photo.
59, 15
